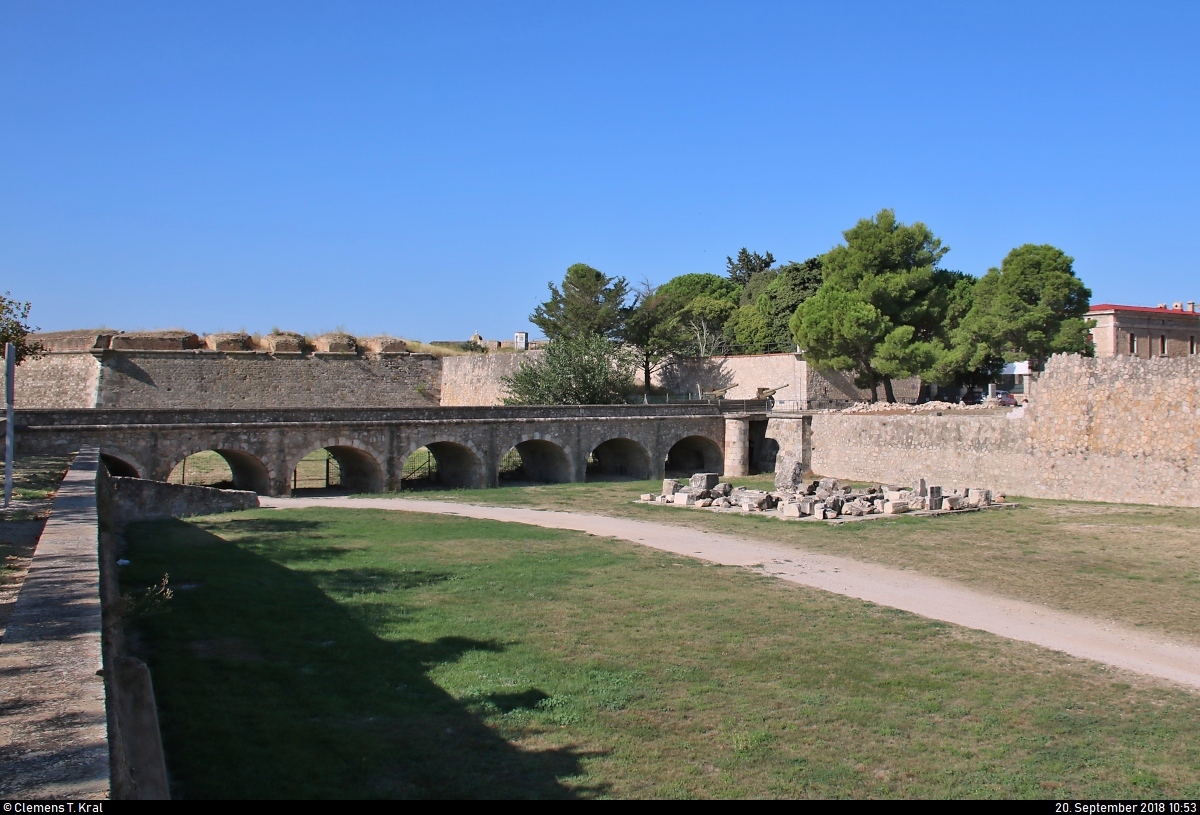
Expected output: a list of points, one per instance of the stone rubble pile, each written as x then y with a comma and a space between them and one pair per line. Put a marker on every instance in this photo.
924, 407
826, 499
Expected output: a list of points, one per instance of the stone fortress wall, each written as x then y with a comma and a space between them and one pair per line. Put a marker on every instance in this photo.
181, 370
58, 379
477, 379
1121, 429
177, 369
802, 384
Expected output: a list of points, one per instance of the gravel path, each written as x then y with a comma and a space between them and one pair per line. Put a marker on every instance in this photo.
927, 596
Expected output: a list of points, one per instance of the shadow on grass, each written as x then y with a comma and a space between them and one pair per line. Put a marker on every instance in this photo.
269, 688
272, 527
508, 702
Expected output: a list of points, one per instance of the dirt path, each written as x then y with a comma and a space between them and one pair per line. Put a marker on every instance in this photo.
927, 596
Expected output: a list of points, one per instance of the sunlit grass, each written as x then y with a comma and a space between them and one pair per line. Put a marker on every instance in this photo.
359, 653
1137, 564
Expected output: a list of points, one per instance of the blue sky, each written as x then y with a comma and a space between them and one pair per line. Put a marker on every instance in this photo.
426, 169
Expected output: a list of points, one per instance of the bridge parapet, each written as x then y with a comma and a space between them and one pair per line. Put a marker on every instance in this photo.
138, 416
263, 446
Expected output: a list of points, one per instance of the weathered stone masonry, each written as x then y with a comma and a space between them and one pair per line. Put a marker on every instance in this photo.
263, 447
1123, 430
179, 370
104, 375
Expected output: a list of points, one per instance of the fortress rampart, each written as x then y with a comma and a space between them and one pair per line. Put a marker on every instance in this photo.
180, 370
1122, 429
1119, 429
177, 369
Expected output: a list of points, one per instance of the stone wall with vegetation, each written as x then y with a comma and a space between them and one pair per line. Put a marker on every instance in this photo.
1118, 429
804, 383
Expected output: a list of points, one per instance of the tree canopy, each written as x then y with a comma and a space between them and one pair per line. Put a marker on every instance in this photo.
590, 303
1033, 306
795, 283
687, 287
761, 324
704, 303
654, 329
881, 309
747, 265
579, 370
14, 328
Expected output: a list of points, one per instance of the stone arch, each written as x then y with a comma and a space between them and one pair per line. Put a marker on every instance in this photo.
695, 454
459, 464
361, 470
249, 471
619, 457
544, 460
119, 464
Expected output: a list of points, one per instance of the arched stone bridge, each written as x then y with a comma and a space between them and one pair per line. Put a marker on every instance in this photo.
263, 447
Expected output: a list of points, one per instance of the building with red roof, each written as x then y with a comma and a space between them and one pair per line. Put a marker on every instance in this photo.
1141, 331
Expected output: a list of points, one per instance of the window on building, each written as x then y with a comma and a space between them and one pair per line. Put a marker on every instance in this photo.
1192, 346
1133, 344
1162, 345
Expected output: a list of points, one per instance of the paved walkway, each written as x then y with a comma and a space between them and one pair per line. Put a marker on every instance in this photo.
53, 731
927, 596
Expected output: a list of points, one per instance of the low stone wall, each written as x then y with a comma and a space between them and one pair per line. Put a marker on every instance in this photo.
1121, 430
127, 500
137, 765
975, 450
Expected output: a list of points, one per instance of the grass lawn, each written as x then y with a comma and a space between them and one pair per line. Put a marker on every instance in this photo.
1138, 565
339, 653
37, 477
35, 481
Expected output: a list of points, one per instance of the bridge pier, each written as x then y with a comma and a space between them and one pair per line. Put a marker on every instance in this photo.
737, 446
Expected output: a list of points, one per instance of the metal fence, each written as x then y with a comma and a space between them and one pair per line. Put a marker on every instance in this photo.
317, 472
419, 466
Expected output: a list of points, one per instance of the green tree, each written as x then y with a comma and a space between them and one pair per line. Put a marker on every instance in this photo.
15, 329
590, 303
747, 265
687, 287
839, 329
895, 300
654, 330
795, 283
959, 365
762, 324
582, 370
1033, 306
705, 319
704, 303
747, 330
